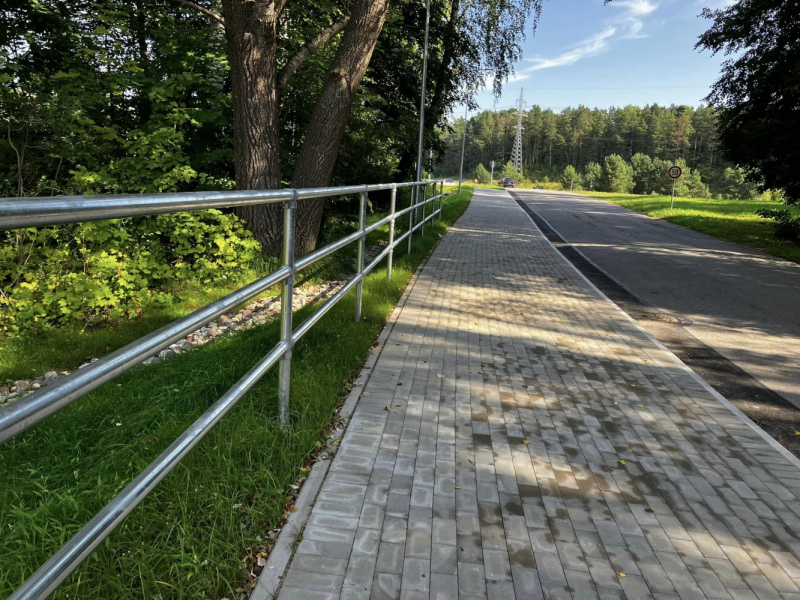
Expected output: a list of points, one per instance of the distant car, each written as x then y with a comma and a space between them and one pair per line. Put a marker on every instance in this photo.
450, 180
538, 187
509, 182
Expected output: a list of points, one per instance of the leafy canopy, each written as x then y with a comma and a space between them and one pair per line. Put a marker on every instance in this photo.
758, 92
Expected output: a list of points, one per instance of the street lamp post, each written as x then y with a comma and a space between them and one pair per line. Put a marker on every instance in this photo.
463, 147
422, 97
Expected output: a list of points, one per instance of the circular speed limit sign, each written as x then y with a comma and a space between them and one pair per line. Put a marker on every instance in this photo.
675, 172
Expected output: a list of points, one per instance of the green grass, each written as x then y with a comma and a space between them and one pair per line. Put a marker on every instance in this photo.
29, 355
187, 539
731, 220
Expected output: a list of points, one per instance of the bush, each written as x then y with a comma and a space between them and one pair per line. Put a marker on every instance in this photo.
109, 269
787, 226
482, 175
617, 175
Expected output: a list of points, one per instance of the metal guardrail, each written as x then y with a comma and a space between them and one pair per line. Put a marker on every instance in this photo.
25, 413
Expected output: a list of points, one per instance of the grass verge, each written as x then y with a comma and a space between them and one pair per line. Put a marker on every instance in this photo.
28, 355
731, 220
187, 539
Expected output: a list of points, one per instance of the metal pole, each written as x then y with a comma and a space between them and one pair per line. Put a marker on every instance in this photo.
362, 217
424, 204
411, 217
424, 85
463, 147
392, 210
491, 175
672, 199
287, 288
441, 199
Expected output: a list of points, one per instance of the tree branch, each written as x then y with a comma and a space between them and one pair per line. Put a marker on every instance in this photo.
309, 48
205, 11
279, 6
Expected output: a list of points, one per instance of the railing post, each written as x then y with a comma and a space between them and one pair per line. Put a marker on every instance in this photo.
441, 198
392, 210
424, 204
411, 218
287, 288
362, 219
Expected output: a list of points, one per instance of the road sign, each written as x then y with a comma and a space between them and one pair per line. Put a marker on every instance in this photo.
674, 171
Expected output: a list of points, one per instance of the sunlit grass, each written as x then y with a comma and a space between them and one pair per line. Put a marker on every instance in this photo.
188, 537
731, 220
28, 355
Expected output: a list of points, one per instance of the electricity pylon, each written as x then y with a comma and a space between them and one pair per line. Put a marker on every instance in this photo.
516, 150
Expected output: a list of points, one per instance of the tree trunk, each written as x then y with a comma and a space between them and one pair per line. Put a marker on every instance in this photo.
331, 113
250, 31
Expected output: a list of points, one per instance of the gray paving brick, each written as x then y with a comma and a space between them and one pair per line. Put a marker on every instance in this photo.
471, 579
444, 587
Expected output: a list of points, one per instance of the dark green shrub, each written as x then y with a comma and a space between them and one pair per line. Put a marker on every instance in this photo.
109, 269
787, 226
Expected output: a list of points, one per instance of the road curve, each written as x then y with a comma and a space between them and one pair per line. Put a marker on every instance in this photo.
741, 302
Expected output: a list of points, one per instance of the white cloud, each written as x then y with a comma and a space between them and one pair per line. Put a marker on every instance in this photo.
593, 45
628, 24
636, 8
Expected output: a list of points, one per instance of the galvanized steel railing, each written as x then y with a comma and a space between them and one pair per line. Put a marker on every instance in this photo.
23, 414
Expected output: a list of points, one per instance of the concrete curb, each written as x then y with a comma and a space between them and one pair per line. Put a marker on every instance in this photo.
714, 393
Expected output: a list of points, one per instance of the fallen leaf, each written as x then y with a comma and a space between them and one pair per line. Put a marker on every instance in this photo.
623, 462
386, 408
304, 469
640, 405
457, 487
622, 574
648, 510
440, 376
292, 508
526, 442
262, 562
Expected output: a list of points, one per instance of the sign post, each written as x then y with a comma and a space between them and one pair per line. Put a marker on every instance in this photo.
491, 176
674, 172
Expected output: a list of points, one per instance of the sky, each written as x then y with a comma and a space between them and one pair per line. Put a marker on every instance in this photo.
628, 52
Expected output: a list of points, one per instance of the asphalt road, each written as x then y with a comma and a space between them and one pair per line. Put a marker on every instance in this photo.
740, 302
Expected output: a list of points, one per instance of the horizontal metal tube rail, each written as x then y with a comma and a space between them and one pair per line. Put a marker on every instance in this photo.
28, 411
32, 409
311, 258
384, 253
320, 312
54, 210
378, 224
66, 560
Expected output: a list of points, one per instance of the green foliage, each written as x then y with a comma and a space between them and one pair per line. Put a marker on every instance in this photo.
112, 96
570, 178
592, 174
757, 94
509, 170
482, 175
582, 137
787, 225
109, 269
736, 186
617, 175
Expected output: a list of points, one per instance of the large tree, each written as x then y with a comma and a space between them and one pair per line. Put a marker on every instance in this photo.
758, 92
481, 39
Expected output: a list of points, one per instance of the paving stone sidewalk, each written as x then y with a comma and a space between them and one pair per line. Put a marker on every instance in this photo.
539, 444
